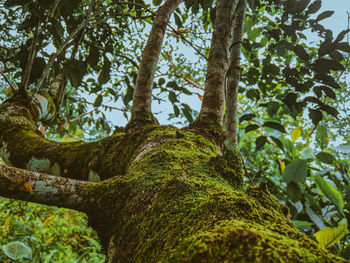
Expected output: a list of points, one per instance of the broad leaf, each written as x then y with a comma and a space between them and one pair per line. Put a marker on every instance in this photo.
295, 134
274, 125
295, 171
328, 190
325, 157
17, 250
327, 237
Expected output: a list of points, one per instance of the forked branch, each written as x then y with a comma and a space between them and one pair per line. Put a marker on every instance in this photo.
141, 108
213, 99
233, 76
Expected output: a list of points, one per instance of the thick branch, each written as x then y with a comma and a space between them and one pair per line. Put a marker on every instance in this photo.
233, 76
213, 99
141, 109
42, 188
21, 145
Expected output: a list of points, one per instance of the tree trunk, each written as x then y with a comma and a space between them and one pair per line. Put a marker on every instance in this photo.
171, 197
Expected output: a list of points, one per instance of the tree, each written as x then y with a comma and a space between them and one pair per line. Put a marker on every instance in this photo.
157, 193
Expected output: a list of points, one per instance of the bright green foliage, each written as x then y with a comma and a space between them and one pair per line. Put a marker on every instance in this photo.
52, 234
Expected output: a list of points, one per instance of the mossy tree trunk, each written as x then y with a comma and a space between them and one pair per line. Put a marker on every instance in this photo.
166, 195
154, 193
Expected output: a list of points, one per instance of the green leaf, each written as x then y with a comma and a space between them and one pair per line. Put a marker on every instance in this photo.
322, 136
328, 236
314, 7
187, 111
128, 96
251, 127
93, 57
260, 142
172, 97
324, 15
17, 250
344, 148
247, 117
253, 34
98, 101
315, 115
301, 52
10, 3
328, 190
161, 81
104, 76
156, 2
295, 171
278, 142
300, 223
325, 157
75, 70
274, 125
177, 20
294, 192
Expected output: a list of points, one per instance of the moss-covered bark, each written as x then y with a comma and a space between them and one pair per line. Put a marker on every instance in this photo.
167, 195
181, 202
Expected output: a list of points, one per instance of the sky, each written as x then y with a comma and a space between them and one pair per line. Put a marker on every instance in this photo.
337, 22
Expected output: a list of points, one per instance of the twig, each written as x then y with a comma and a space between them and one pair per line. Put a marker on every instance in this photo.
6, 79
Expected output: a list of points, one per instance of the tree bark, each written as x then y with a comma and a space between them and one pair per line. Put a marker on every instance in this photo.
141, 107
213, 99
175, 200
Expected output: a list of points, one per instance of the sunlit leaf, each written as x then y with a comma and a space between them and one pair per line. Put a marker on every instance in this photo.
328, 236
295, 134
17, 250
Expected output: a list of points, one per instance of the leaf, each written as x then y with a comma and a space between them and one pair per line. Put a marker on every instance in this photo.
104, 76
343, 46
324, 15
278, 142
75, 70
260, 142
247, 117
177, 20
128, 96
17, 250
302, 4
328, 236
301, 52
322, 136
330, 110
187, 111
325, 48
314, 217
253, 34
251, 127
161, 81
325, 157
176, 110
315, 115
328, 190
172, 97
329, 92
295, 134
295, 171
344, 148
274, 125
93, 57
98, 101
294, 192
156, 2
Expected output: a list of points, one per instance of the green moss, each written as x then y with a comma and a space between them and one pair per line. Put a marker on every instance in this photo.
180, 202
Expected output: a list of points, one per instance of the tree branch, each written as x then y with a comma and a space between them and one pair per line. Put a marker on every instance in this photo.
141, 108
213, 99
28, 67
233, 76
43, 189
